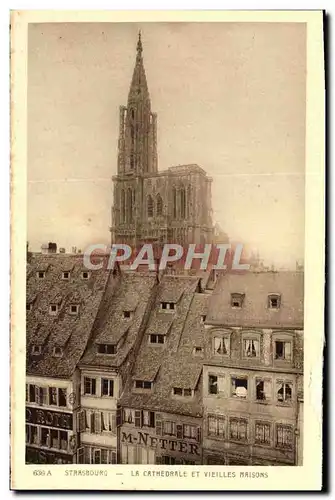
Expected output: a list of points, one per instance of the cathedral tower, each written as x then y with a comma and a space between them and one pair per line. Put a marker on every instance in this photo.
138, 125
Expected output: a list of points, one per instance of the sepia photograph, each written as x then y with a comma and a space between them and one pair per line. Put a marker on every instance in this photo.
165, 247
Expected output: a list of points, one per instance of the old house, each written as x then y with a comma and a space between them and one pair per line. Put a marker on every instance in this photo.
63, 299
253, 370
161, 406
106, 364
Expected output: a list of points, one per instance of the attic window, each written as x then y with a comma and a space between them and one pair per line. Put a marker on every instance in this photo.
274, 301
36, 350
167, 306
178, 391
74, 309
203, 318
107, 349
66, 275
197, 351
41, 275
58, 352
53, 309
143, 384
236, 300
156, 338
29, 306
85, 275
127, 314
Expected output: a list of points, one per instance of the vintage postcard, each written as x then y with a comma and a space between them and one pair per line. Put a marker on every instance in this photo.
167, 250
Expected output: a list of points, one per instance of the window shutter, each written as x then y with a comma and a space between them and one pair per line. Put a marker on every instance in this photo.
179, 431
138, 418
113, 421
97, 422
220, 384
37, 394
118, 417
199, 435
159, 425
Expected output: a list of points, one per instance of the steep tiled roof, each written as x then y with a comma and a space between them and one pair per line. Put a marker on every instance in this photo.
171, 364
255, 312
63, 329
134, 290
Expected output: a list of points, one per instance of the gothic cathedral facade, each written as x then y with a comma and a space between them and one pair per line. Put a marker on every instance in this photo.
152, 206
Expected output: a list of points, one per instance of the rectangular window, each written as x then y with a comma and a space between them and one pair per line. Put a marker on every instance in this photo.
167, 306
167, 460
251, 348
283, 350
284, 436
156, 338
53, 396
31, 434
169, 428
41, 275
216, 426
148, 418
236, 300
106, 349
43, 396
53, 309
32, 393
62, 397
262, 433
197, 351
66, 275
126, 314
215, 384
90, 386
238, 429
85, 275
45, 437
178, 391
190, 431
107, 387
143, 384
74, 309
239, 387
274, 301
263, 390
220, 346
284, 392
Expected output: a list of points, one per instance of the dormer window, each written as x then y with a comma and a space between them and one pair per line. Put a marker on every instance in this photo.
85, 275
53, 309
274, 301
66, 275
58, 352
198, 351
143, 384
36, 350
156, 338
74, 309
167, 306
107, 349
178, 391
127, 314
236, 300
41, 275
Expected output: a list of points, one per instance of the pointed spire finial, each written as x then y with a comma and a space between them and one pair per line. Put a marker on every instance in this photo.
139, 43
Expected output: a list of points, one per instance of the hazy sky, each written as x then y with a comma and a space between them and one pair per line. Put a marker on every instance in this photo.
229, 97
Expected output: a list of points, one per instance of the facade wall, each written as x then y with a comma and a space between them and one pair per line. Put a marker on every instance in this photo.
97, 420
159, 438
51, 420
244, 429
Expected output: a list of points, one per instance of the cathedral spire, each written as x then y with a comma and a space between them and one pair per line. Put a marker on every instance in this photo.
139, 87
